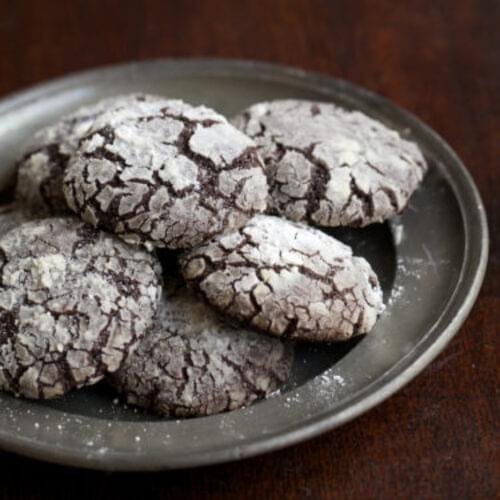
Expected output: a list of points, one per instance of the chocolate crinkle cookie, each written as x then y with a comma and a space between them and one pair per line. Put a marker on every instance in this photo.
192, 363
286, 279
40, 171
174, 177
74, 302
329, 166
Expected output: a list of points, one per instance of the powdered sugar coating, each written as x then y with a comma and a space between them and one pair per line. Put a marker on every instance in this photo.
193, 364
286, 279
329, 166
40, 171
13, 215
73, 303
174, 177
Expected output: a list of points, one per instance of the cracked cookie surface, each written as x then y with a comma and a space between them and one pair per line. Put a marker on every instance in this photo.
193, 363
174, 177
329, 166
40, 171
286, 279
74, 302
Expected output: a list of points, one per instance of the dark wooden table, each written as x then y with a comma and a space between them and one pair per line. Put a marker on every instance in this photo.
439, 59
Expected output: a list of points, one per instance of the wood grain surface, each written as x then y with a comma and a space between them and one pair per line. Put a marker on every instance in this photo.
439, 59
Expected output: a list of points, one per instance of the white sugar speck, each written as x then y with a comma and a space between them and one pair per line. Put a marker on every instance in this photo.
327, 379
398, 234
397, 291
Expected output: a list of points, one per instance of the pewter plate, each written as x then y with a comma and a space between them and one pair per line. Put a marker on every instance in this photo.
430, 260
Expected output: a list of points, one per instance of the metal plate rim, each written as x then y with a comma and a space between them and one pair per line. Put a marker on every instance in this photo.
472, 274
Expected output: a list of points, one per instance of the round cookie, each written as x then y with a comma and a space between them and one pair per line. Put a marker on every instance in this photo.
194, 364
172, 178
329, 166
286, 279
40, 171
73, 303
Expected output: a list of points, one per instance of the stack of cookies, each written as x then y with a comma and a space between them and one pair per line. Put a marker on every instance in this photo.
157, 245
